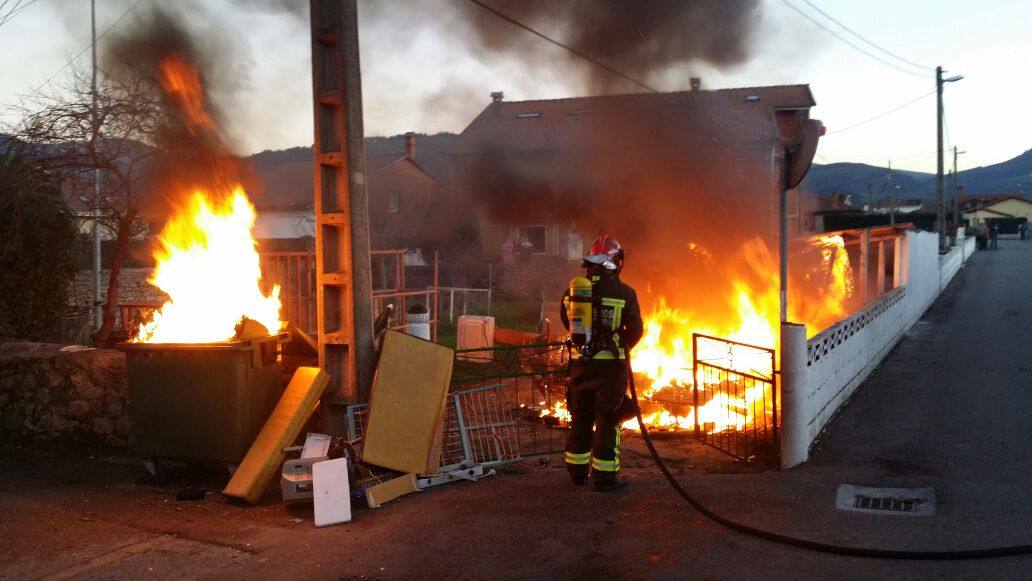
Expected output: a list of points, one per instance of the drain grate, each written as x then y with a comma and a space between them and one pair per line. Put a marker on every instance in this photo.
883, 503
886, 501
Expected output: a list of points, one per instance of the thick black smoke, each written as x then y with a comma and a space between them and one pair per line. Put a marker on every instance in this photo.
189, 156
680, 179
643, 39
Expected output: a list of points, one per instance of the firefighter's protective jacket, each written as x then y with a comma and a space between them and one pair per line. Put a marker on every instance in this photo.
618, 310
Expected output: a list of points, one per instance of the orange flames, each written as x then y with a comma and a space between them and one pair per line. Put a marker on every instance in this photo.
208, 265
181, 82
821, 294
207, 261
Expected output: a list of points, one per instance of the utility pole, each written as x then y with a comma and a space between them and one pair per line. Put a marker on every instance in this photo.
892, 195
938, 168
783, 238
97, 314
939, 82
956, 190
344, 284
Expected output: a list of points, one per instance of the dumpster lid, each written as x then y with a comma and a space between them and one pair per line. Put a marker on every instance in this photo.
242, 345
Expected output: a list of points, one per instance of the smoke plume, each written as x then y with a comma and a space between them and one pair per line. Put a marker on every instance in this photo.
193, 151
642, 39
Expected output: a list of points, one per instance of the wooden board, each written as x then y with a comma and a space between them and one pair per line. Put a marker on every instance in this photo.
266, 456
406, 406
331, 493
387, 491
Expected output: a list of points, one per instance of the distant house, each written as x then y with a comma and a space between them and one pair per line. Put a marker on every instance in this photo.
285, 206
402, 195
529, 167
903, 206
1007, 209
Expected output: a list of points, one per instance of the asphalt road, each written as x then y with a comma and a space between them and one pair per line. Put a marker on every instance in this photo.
950, 408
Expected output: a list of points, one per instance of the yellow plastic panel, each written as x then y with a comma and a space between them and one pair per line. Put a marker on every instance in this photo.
264, 458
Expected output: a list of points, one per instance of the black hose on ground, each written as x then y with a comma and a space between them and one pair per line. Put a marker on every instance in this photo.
803, 543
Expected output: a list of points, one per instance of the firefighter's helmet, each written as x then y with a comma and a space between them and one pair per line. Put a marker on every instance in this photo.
605, 252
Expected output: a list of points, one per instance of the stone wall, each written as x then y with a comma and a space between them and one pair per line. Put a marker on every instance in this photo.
68, 393
529, 280
132, 287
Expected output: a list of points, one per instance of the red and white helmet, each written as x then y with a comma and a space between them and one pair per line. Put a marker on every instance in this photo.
605, 252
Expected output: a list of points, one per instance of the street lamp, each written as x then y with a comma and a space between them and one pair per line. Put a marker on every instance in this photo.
939, 82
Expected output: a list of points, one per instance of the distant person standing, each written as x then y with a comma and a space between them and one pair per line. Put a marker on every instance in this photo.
525, 250
994, 235
508, 251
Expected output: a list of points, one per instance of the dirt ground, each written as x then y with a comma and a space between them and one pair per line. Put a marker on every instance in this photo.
86, 514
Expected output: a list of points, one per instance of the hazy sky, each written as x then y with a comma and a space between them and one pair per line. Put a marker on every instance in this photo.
420, 74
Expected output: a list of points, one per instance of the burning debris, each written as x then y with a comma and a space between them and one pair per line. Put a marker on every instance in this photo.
663, 360
208, 265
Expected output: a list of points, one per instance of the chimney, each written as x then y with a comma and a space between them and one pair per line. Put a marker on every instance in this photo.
496, 102
696, 83
410, 145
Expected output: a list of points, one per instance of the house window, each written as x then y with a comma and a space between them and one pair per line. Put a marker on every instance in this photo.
393, 203
535, 235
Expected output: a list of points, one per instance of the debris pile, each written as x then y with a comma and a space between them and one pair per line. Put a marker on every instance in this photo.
413, 434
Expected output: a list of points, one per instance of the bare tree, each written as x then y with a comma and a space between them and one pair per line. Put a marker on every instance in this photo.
67, 134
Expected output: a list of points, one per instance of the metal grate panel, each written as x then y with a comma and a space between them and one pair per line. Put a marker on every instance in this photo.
886, 501
882, 503
478, 428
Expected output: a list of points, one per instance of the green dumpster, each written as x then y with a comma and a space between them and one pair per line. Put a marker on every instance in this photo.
202, 401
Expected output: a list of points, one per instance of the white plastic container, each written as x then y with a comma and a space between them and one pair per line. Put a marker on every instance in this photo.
418, 325
475, 332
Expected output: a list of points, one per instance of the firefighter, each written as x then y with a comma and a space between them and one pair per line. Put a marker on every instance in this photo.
604, 321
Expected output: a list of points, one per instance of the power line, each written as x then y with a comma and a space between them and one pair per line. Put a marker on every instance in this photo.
858, 35
880, 115
850, 43
584, 56
18, 8
82, 52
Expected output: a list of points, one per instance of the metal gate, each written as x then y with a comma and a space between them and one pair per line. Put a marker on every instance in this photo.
736, 398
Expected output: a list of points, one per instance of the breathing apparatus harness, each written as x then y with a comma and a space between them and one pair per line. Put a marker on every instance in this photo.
589, 333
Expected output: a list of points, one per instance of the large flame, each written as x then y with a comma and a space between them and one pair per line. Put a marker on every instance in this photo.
208, 265
663, 360
207, 260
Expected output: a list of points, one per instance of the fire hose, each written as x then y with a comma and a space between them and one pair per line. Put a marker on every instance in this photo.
804, 543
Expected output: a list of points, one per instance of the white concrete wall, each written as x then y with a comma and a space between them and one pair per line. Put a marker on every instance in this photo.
820, 374
968, 247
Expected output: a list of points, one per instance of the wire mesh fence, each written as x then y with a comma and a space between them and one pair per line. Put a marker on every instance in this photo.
533, 380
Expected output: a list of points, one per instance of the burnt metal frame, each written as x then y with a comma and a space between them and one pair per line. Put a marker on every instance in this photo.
738, 443
465, 432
